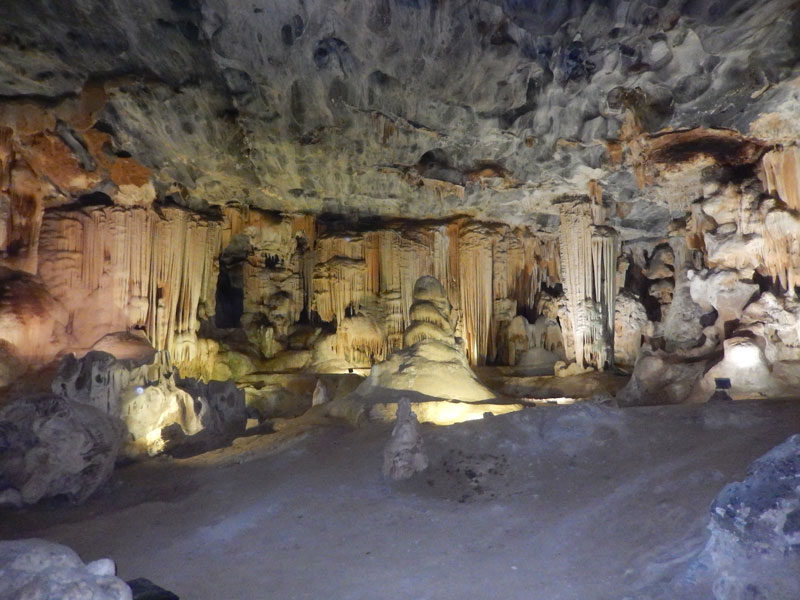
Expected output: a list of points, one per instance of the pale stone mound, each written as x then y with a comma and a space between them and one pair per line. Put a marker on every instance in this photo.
754, 549
432, 363
50, 446
35, 569
432, 366
405, 453
429, 367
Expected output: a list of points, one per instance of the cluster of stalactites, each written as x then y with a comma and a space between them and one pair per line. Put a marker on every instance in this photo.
480, 266
588, 263
141, 268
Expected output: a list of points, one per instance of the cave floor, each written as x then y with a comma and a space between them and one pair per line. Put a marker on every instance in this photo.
558, 502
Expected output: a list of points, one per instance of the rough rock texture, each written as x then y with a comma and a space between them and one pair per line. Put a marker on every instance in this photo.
404, 455
35, 569
32, 322
50, 446
151, 397
754, 549
311, 106
630, 326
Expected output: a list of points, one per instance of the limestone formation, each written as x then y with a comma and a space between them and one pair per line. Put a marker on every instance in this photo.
320, 394
51, 446
151, 397
589, 265
404, 455
631, 325
251, 193
35, 568
433, 364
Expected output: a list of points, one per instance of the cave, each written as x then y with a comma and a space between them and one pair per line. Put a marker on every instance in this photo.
400, 299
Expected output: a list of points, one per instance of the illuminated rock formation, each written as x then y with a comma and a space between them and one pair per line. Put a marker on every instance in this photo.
159, 409
433, 366
404, 455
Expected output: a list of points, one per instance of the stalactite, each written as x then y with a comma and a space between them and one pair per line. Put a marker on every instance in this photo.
589, 263
115, 268
339, 284
475, 277
782, 174
360, 341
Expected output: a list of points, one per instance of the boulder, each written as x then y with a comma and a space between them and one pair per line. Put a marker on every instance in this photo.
754, 548
661, 378
50, 446
34, 569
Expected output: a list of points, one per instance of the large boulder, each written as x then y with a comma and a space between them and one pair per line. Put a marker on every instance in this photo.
50, 446
661, 378
754, 548
36, 569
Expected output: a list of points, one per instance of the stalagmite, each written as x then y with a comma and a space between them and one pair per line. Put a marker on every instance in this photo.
405, 453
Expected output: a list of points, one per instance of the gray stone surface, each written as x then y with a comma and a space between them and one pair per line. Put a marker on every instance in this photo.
35, 569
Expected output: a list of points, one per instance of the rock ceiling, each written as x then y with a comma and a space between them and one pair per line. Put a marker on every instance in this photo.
421, 108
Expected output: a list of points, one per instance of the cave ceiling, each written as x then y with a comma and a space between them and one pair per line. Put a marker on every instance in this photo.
419, 108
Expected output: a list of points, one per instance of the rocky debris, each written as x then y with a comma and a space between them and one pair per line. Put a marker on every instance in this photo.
468, 477
404, 455
50, 446
34, 568
754, 549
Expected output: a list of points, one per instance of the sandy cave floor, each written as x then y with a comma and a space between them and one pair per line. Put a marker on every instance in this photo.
562, 502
